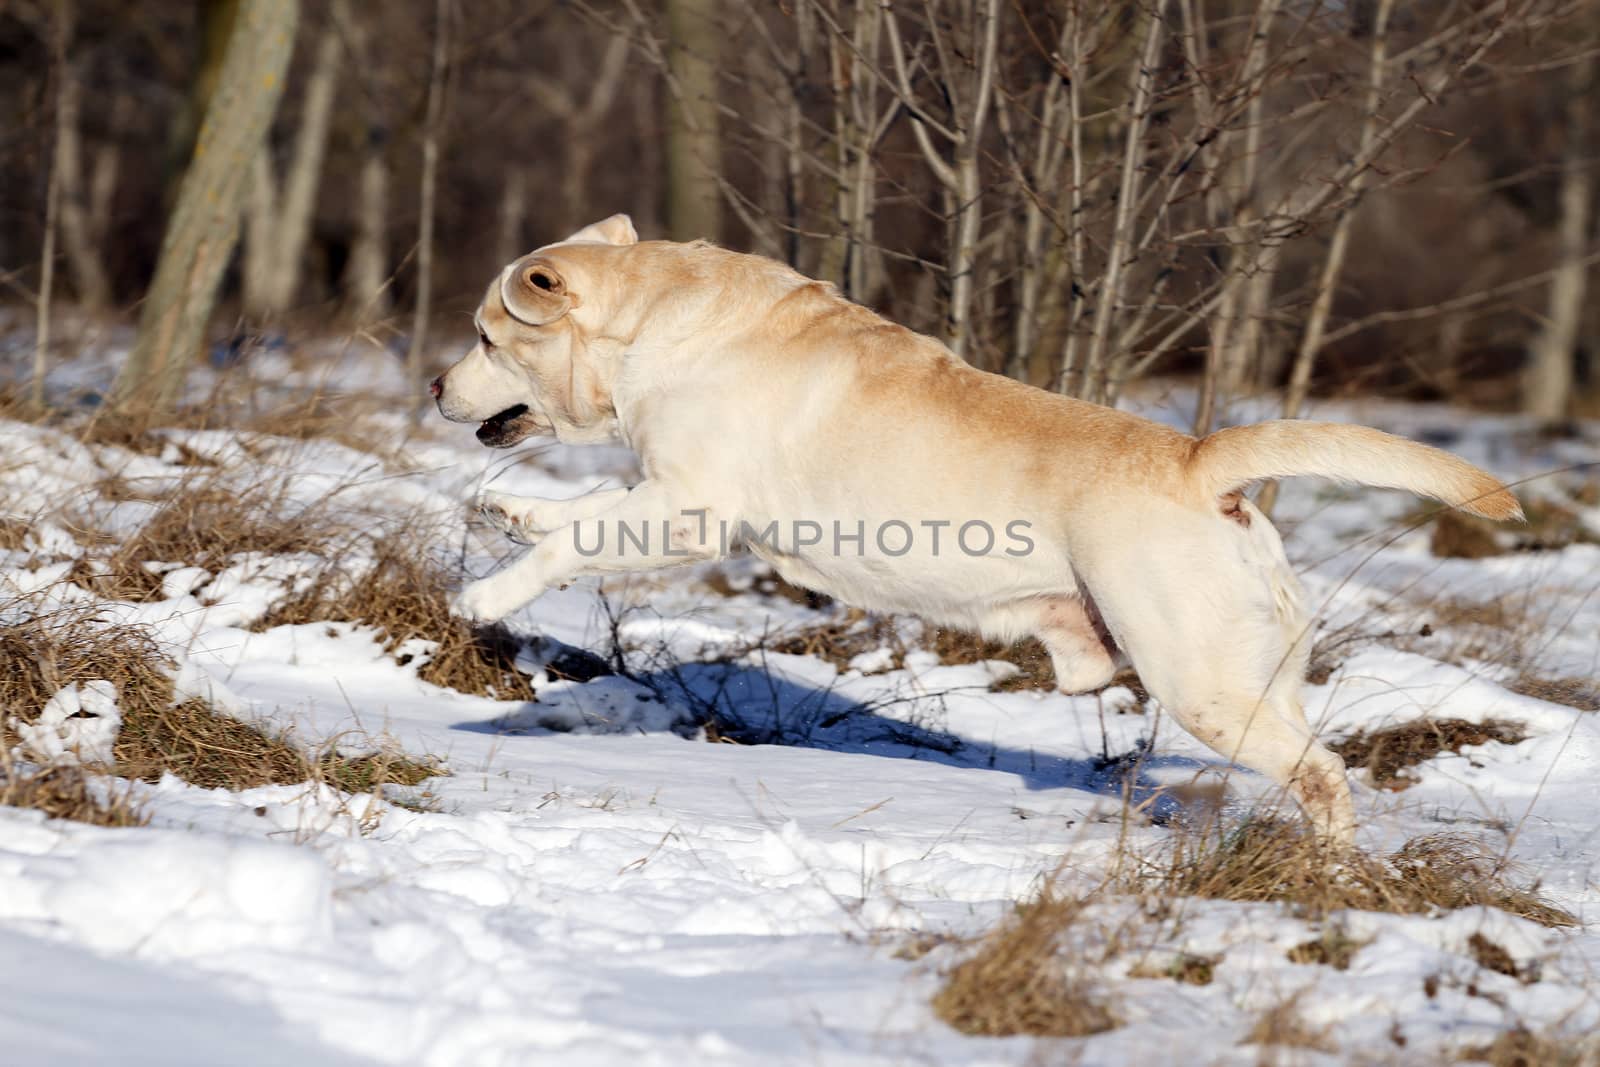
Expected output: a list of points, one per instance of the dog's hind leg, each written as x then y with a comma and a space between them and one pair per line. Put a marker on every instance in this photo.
1206, 614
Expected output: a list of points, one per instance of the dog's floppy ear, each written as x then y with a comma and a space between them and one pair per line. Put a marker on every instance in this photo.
535, 292
616, 230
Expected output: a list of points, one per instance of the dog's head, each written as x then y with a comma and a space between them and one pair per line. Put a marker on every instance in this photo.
532, 371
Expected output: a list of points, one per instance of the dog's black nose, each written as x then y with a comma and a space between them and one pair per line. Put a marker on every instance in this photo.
436, 387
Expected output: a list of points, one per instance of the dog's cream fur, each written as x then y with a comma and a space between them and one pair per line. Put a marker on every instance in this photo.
753, 394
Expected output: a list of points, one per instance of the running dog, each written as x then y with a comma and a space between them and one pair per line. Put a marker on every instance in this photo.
868, 462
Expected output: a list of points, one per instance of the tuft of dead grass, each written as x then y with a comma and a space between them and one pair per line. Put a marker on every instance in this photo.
841, 640
67, 793
1580, 693
13, 534
1386, 755
856, 632
1549, 525
211, 522
1028, 656
1334, 948
1283, 1026
1184, 968
406, 595
1457, 535
41, 655
1522, 1047
1018, 980
208, 523
1493, 957
307, 417
1266, 860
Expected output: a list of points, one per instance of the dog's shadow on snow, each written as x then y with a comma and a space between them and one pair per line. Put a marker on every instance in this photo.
752, 704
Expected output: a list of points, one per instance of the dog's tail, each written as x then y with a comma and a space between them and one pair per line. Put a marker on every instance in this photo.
1229, 459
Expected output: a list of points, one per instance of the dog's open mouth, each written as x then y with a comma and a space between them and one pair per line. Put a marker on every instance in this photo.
507, 427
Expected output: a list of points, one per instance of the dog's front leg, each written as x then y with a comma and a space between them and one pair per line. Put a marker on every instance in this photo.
650, 527
525, 519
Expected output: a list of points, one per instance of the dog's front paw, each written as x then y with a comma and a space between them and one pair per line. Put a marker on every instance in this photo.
481, 602
508, 514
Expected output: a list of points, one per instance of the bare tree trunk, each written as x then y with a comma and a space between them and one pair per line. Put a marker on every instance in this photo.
509, 242
305, 172
205, 222
59, 29
366, 274
260, 240
692, 138
103, 180
77, 234
430, 173
217, 20
1547, 387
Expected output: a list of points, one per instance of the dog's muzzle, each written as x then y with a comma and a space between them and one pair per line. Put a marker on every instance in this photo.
506, 428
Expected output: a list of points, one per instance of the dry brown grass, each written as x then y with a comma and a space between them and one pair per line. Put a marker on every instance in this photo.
210, 522
1334, 948
1521, 1047
1020, 981
1549, 525
1028, 656
41, 655
67, 793
1580, 693
406, 595
839, 641
1386, 755
13, 534
207, 523
1190, 970
311, 416
1265, 860
1282, 1026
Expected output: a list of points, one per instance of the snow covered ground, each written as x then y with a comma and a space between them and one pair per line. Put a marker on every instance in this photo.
593, 883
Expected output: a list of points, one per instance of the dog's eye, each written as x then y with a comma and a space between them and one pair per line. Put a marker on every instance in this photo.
483, 339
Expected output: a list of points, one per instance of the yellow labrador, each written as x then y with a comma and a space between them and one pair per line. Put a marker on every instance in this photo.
867, 462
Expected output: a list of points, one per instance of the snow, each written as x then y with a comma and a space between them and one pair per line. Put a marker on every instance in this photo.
593, 883
76, 725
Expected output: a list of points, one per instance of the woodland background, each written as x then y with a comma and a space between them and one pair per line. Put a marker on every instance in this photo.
1295, 197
